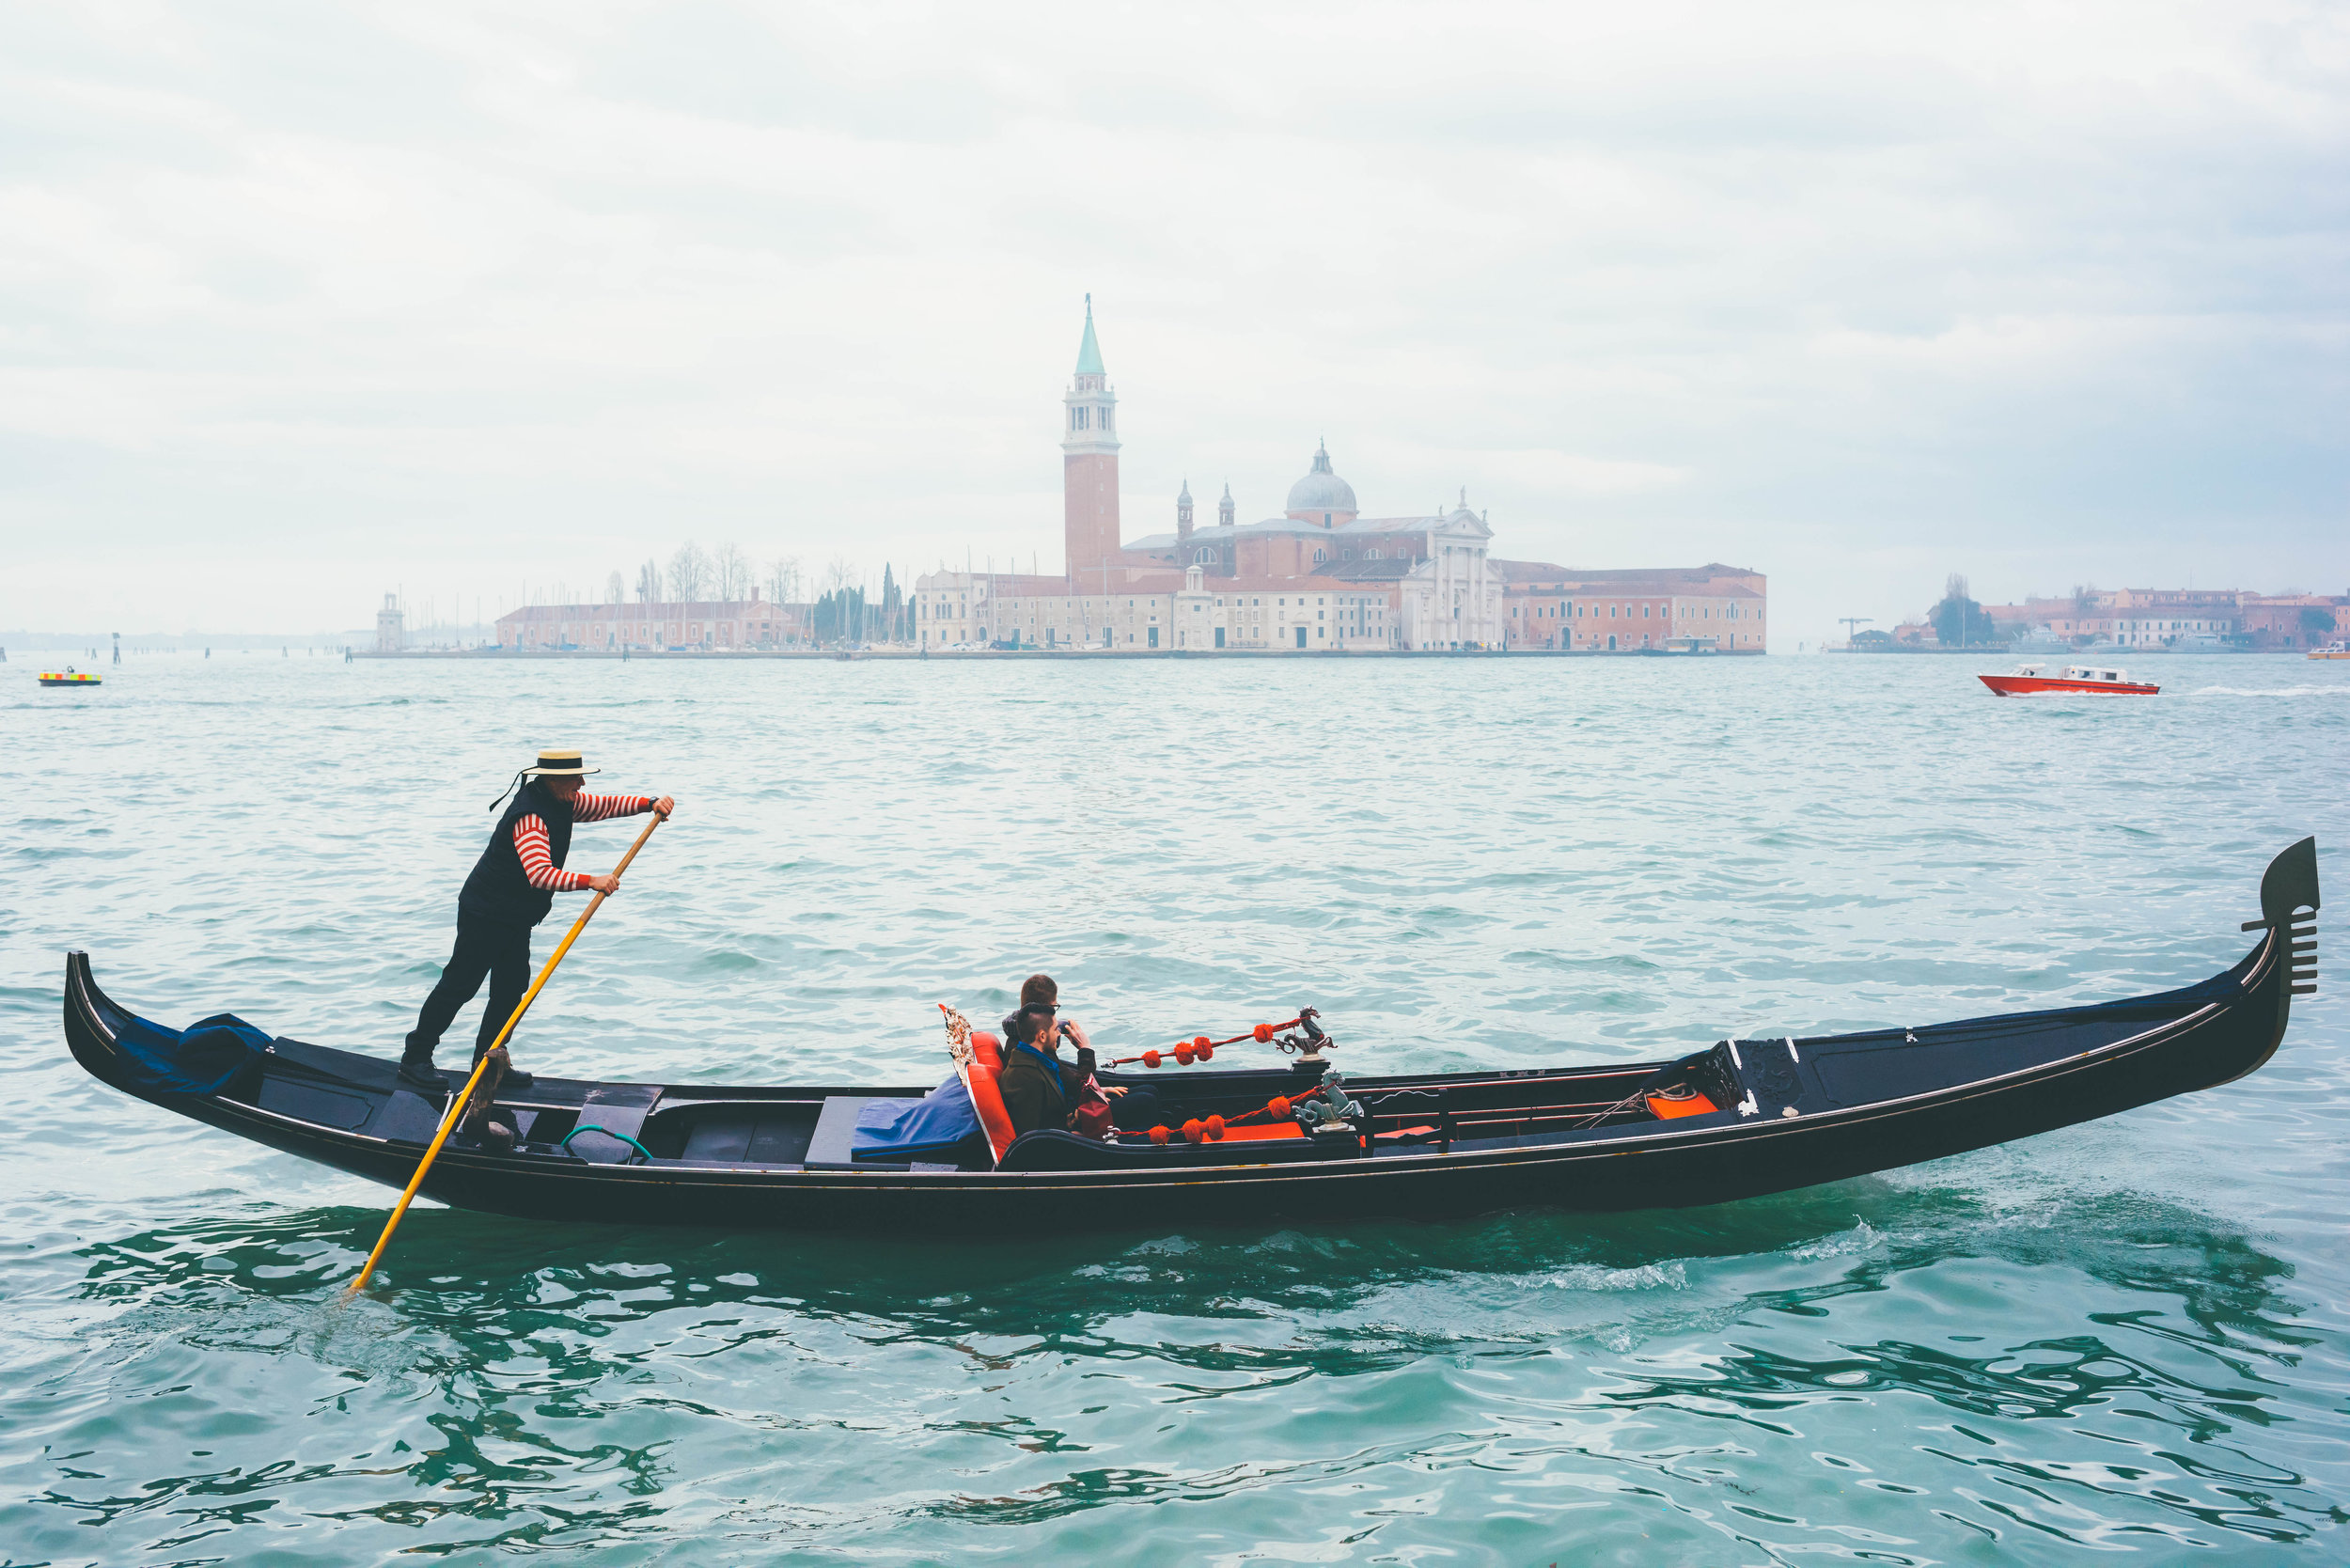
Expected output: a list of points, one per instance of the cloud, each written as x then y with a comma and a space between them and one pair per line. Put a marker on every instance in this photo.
502, 293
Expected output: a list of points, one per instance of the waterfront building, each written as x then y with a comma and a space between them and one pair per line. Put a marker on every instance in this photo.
2168, 617
702, 625
390, 638
1712, 608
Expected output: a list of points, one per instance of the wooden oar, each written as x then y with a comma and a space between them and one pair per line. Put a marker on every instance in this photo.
457, 1105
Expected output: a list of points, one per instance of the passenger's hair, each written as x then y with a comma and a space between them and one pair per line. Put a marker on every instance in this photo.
1038, 990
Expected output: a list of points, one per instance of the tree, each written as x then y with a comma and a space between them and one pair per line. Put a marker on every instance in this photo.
731, 570
614, 591
783, 579
648, 583
689, 573
2316, 621
1958, 620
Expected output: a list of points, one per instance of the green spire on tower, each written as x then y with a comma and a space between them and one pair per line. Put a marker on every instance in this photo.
1089, 352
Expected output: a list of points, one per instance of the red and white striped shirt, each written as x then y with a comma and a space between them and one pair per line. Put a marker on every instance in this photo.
531, 838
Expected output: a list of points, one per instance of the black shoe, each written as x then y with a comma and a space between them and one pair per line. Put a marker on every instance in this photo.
422, 1076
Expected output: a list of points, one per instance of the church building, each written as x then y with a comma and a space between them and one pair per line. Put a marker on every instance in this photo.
1320, 577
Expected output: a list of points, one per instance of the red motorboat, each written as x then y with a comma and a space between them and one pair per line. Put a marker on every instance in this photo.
2084, 680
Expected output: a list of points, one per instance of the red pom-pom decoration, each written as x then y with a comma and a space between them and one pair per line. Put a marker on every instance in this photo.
1159, 1135
1203, 1050
1150, 1059
1279, 1107
1201, 1044
1215, 1127
1182, 1054
1192, 1131
1264, 1033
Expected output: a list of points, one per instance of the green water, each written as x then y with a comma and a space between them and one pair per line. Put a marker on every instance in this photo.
2122, 1341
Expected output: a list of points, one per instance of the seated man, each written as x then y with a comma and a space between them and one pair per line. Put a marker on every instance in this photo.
1040, 1090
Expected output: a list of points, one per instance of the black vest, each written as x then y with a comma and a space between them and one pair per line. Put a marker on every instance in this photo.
497, 889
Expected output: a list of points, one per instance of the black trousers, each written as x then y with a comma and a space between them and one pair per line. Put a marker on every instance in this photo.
496, 949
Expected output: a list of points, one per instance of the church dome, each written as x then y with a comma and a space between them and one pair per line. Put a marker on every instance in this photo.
1322, 491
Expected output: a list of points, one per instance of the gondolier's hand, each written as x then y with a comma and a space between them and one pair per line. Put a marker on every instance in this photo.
663, 807
608, 884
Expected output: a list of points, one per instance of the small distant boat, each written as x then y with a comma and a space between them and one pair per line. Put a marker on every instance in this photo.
2090, 680
2331, 651
69, 676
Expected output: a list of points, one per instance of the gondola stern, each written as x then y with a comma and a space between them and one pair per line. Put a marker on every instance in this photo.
89, 1014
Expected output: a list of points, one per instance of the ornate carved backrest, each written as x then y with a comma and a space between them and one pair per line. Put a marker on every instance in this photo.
958, 1035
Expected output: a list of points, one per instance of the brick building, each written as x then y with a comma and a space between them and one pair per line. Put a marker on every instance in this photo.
1713, 608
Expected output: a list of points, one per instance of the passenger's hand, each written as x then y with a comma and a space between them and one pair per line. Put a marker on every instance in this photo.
1076, 1032
1112, 1090
608, 884
664, 805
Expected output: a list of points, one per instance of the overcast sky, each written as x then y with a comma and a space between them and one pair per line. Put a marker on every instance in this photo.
303, 302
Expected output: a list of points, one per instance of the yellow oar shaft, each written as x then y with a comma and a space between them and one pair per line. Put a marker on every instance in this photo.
457, 1105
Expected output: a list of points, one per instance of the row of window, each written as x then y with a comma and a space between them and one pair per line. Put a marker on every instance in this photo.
1078, 416
639, 633
1567, 609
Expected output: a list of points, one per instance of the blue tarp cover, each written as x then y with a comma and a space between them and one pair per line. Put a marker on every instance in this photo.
900, 1129
201, 1058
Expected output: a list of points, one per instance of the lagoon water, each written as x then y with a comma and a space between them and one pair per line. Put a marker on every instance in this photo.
2126, 1342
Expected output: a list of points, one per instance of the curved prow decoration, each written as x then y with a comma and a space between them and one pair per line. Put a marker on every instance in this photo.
2289, 903
2291, 885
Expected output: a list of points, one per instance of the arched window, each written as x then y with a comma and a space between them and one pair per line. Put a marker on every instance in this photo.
1372, 554
1204, 556
1321, 555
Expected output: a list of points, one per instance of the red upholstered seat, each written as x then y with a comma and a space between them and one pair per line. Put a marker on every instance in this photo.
1251, 1132
978, 1078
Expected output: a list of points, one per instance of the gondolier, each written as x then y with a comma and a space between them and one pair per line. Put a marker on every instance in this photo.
512, 889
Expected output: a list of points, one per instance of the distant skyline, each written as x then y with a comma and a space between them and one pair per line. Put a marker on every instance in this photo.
299, 304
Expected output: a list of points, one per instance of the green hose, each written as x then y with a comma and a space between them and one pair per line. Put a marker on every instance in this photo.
566, 1145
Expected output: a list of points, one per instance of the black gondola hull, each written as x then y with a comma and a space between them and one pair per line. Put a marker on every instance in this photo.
1817, 1110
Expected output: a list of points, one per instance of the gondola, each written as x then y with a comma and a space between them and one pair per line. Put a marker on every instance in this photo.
1738, 1118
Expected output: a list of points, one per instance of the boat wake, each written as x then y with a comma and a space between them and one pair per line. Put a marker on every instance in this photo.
2269, 691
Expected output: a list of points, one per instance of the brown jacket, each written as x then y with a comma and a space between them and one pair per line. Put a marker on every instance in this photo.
1034, 1097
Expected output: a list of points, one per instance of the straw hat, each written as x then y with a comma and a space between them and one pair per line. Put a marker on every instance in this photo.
561, 763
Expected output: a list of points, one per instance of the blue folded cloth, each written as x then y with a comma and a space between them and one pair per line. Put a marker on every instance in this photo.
901, 1129
203, 1059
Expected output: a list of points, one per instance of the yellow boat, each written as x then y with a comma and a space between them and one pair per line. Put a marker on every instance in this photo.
69, 676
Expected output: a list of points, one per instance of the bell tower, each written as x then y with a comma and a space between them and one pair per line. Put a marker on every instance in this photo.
1088, 475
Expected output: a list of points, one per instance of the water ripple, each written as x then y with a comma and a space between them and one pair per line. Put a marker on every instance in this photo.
2128, 1337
